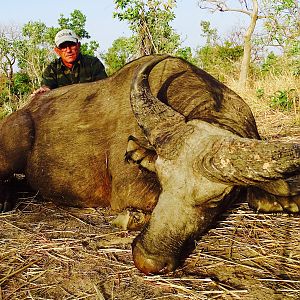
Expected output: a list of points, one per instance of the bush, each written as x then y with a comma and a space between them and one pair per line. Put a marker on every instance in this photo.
221, 60
21, 85
13, 94
284, 99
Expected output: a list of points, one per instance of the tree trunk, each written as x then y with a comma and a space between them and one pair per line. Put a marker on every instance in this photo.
247, 46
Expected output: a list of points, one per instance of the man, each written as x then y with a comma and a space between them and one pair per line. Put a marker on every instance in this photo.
71, 66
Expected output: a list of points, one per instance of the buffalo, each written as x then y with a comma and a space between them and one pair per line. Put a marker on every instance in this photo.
160, 140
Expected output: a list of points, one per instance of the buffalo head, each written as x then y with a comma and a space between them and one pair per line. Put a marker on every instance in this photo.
201, 168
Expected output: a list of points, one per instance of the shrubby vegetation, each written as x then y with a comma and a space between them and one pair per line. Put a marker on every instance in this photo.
272, 76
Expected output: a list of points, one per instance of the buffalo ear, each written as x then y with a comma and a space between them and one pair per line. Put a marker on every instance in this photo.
272, 166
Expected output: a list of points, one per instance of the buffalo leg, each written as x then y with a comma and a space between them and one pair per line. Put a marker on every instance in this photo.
262, 201
16, 140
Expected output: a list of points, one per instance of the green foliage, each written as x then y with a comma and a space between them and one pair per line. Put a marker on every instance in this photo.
119, 54
260, 93
270, 63
284, 99
220, 59
186, 53
13, 93
230, 52
211, 34
292, 54
34, 32
21, 85
150, 23
7, 56
89, 48
282, 22
123, 50
33, 51
76, 22
280, 64
4, 93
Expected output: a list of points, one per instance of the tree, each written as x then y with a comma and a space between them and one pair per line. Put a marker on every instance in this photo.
211, 34
121, 51
149, 20
220, 60
280, 20
34, 51
186, 53
248, 7
76, 22
281, 31
283, 23
8, 37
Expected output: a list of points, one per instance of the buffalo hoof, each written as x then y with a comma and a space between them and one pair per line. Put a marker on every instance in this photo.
6, 205
10, 191
7, 197
262, 201
151, 264
7, 200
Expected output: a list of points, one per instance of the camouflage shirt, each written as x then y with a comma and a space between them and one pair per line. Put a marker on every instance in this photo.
86, 69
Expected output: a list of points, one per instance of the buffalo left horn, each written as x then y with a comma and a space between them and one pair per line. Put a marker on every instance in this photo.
272, 166
162, 125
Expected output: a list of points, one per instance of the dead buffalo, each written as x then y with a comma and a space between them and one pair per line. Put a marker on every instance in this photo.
184, 146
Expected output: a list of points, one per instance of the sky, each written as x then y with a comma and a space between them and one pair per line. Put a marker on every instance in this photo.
104, 28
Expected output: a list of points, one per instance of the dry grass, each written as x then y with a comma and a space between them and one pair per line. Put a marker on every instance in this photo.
273, 122
50, 252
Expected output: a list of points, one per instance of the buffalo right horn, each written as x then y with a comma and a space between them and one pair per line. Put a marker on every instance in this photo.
272, 166
162, 125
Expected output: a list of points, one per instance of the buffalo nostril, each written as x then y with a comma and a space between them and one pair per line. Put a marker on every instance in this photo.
151, 264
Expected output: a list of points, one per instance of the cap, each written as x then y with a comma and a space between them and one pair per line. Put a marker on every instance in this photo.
65, 35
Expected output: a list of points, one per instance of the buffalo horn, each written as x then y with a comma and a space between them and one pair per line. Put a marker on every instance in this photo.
273, 166
160, 123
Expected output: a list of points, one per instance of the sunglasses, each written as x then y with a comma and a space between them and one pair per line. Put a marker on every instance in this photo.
65, 46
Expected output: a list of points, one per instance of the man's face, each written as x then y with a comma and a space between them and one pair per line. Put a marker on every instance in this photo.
68, 51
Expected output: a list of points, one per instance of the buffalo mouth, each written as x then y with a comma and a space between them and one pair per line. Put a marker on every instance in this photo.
150, 263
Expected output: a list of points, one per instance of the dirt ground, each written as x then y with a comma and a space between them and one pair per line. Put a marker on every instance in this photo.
51, 252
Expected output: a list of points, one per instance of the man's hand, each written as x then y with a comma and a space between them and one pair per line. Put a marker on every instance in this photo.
40, 90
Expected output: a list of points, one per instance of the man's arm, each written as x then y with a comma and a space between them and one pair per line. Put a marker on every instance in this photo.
98, 70
49, 77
